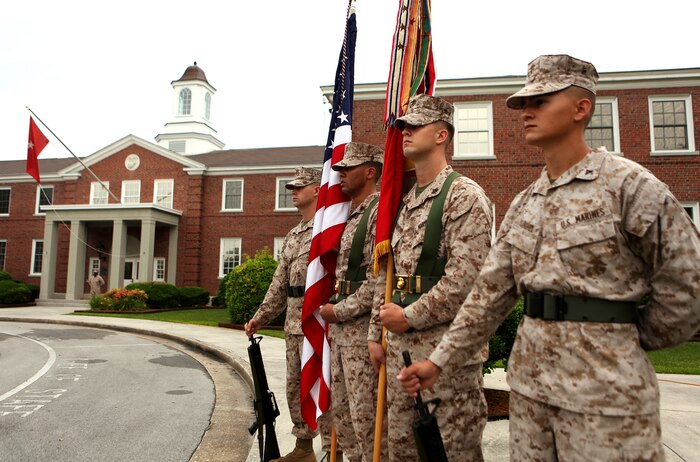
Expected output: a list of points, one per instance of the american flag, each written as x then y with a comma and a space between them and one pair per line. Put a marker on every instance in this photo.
332, 210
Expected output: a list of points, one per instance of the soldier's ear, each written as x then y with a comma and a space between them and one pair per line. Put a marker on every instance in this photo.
316, 190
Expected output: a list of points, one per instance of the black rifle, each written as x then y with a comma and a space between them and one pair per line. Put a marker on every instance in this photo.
425, 427
265, 405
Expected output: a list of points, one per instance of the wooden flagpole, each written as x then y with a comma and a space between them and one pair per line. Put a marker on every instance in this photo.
381, 387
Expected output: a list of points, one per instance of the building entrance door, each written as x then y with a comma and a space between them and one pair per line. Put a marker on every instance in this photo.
131, 270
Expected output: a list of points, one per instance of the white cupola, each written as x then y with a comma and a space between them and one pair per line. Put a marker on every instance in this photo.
189, 130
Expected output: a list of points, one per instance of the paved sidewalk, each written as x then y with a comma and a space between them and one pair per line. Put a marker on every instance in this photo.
680, 394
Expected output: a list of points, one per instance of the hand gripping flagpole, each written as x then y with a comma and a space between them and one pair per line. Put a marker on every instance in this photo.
77, 158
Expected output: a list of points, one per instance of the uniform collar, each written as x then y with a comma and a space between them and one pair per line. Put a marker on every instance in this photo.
432, 190
587, 169
364, 204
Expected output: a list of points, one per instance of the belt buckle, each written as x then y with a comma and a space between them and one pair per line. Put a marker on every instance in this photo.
554, 307
534, 304
402, 282
336, 287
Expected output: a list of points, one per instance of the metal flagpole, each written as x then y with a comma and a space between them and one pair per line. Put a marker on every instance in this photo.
78, 158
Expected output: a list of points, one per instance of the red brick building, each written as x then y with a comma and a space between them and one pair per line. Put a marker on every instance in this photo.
187, 210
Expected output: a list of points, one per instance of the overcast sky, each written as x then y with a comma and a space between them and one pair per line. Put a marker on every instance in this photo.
95, 72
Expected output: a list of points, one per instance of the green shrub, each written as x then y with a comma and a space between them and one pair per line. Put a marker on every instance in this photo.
160, 295
101, 303
220, 299
13, 292
501, 343
193, 296
4, 275
247, 284
34, 290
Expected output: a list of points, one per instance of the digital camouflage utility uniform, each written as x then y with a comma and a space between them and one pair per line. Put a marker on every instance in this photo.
605, 229
354, 381
465, 241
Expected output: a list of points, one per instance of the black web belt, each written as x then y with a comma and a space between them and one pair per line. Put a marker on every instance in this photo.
294, 291
581, 309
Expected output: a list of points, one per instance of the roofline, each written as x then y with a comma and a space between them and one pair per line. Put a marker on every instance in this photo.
663, 78
257, 169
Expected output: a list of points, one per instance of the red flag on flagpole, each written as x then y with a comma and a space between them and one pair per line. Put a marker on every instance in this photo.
332, 210
412, 72
37, 142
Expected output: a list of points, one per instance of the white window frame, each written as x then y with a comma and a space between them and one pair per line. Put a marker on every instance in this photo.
236, 242
96, 187
616, 122
695, 207
278, 180
171, 184
159, 261
9, 201
184, 102
688, 120
207, 105
34, 255
95, 265
125, 183
277, 248
39, 195
223, 194
457, 155
4, 255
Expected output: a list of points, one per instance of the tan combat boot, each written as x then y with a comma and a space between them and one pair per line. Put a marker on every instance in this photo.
303, 452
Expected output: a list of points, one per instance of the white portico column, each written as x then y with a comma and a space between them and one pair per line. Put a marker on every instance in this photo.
75, 285
48, 263
172, 255
148, 238
116, 262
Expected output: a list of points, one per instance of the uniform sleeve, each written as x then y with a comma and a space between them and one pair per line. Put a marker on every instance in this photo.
360, 302
275, 300
663, 235
489, 302
467, 238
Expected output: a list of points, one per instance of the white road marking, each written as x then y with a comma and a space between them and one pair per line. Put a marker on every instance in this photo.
39, 374
108, 346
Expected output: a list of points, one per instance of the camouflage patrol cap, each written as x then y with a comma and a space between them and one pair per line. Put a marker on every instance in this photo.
424, 110
304, 176
552, 73
358, 154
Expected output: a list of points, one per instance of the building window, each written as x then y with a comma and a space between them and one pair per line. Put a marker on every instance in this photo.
671, 122
5, 201
37, 257
473, 131
163, 192
604, 128
131, 192
283, 195
185, 102
3, 254
94, 265
230, 255
159, 269
693, 210
207, 105
232, 197
99, 194
277, 251
44, 196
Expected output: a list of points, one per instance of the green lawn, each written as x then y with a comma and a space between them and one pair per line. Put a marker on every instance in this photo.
683, 359
204, 317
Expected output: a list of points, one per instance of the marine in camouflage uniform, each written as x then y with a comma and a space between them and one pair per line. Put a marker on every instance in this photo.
464, 242
287, 292
354, 381
585, 246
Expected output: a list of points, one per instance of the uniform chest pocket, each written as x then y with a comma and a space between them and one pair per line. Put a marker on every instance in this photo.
525, 248
587, 250
585, 233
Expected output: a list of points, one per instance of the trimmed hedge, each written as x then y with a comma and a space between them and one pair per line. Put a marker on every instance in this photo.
160, 295
193, 296
4, 275
13, 292
501, 343
246, 286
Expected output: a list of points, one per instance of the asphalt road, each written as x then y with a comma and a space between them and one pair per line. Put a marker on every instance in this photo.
80, 394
